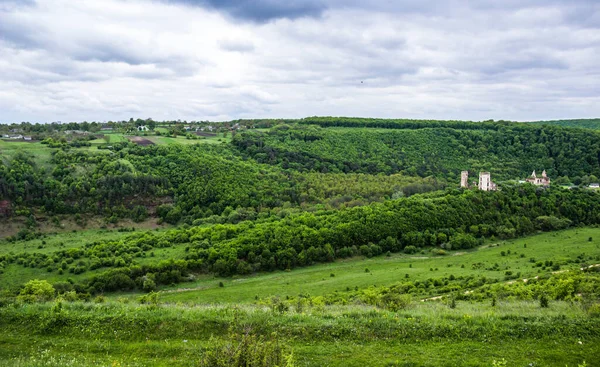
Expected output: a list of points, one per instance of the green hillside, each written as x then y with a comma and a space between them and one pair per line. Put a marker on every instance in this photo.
321, 241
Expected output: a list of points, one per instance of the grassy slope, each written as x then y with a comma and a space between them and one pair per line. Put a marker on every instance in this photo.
317, 280
124, 333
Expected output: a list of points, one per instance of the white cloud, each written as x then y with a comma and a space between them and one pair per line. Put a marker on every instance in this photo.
90, 60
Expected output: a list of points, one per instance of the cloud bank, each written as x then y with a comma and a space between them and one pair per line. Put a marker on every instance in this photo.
218, 60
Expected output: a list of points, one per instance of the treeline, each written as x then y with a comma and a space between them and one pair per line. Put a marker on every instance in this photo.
593, 124
403, 123
451, 220
509, 151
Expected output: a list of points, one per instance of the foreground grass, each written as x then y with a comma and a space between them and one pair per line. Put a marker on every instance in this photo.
423, 335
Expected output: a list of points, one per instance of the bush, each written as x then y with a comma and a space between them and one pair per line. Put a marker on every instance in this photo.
395, 301
149, 285
594, 310
463, 241
410, 249
544, 303
149, 299
36, 290
550, 223
247, 350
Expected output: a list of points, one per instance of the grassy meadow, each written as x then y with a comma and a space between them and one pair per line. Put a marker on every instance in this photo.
183, 323
520, 258
384, 271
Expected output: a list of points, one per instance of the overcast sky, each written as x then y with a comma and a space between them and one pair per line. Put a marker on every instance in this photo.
224, 59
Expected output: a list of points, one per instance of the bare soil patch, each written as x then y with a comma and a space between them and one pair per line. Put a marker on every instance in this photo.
140, 141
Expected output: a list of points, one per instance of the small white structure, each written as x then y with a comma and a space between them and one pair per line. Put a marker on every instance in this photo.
464, 179
27, 138
539, 181
594, 186
485, 182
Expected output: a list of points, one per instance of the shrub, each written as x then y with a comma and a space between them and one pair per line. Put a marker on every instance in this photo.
149, 299
594, 310
149, 285
544, 303
247, 350
395, 302
410, 249
36, 290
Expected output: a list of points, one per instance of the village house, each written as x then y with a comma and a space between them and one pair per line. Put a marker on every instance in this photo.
539, 181
594, 186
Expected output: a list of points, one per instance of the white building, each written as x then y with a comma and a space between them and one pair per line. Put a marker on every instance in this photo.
485, 182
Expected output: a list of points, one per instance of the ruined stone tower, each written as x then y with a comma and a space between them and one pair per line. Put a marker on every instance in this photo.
464, 179
485, 182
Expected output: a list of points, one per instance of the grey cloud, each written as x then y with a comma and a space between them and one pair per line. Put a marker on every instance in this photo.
28, 32
518, 62
452, 59
236, 45
262, 10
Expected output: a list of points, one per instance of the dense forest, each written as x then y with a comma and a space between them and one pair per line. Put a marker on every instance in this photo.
334, 162
509, 151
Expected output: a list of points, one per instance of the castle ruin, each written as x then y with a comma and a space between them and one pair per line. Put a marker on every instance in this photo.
485, 181
539, 181
464, 179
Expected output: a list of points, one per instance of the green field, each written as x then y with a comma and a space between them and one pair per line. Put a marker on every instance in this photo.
183, 325
115, 334
385, 271
559, 247
41, 153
